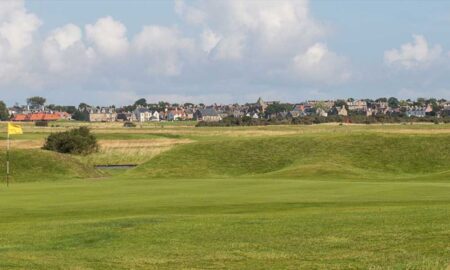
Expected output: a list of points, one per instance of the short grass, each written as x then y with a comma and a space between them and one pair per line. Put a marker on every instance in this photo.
225, 224
287, 197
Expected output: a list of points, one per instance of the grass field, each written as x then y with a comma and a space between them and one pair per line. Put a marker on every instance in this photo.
285, 197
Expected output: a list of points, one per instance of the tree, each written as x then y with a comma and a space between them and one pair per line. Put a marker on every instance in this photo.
70, 109
141, 102
403, 103
162, 105
393, 102
36, 101
277, 108
420, 102
341, 103
80, 116
4, 114
383, 99
83, 106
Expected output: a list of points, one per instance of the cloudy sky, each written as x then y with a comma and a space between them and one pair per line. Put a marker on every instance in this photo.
105, 52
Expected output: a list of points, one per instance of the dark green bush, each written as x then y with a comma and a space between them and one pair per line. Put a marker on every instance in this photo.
78, 141
129, 125
41, 123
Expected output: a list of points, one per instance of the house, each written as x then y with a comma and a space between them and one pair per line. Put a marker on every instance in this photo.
296, 113
189, 114
445, 105
32, 117
142, 114
236, 113
19, 117
342, 111
321, 112
416, 112
325, 104
381, 105
102, 115
357, 105
300, 110
155, 116
253, 115
207, 115
176, 114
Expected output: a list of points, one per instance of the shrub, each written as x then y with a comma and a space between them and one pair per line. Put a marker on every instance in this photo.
76, 141
41, 123
129, 125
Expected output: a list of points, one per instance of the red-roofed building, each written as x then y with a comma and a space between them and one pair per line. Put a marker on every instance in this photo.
20, 117
36, 117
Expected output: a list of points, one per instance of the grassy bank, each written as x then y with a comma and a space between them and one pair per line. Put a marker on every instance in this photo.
327, 156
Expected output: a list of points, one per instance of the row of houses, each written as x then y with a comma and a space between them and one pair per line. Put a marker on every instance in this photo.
41, 116
259, 109
142, 114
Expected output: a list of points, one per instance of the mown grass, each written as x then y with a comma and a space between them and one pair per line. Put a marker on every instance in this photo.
319, 197
225, 224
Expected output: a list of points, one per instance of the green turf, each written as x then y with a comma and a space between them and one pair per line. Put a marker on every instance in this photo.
326, 199
40, 165
359, 156
225, 224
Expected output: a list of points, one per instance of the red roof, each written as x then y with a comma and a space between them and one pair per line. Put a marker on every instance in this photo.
36, 117
20, 117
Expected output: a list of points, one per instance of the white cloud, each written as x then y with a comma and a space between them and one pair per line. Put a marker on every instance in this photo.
269, 27
17, 26
191, 14
64, 51
320, 65
108, 36
162, 49
209, 40
229, 48
226, 46
417, 54
17, 29
267, 37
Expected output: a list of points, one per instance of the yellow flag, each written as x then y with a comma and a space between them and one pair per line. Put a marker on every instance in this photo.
14, 129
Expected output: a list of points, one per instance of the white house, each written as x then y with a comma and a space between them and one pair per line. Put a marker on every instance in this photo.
155, 116
142, 114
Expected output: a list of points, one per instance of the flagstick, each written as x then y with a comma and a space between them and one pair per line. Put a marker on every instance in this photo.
7, 162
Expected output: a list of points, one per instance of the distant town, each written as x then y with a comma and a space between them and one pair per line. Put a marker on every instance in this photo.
349, 110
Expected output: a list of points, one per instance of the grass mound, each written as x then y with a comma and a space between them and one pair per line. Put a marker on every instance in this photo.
38, 165
352, 155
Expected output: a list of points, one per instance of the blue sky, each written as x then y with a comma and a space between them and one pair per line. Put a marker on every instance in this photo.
106, 52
